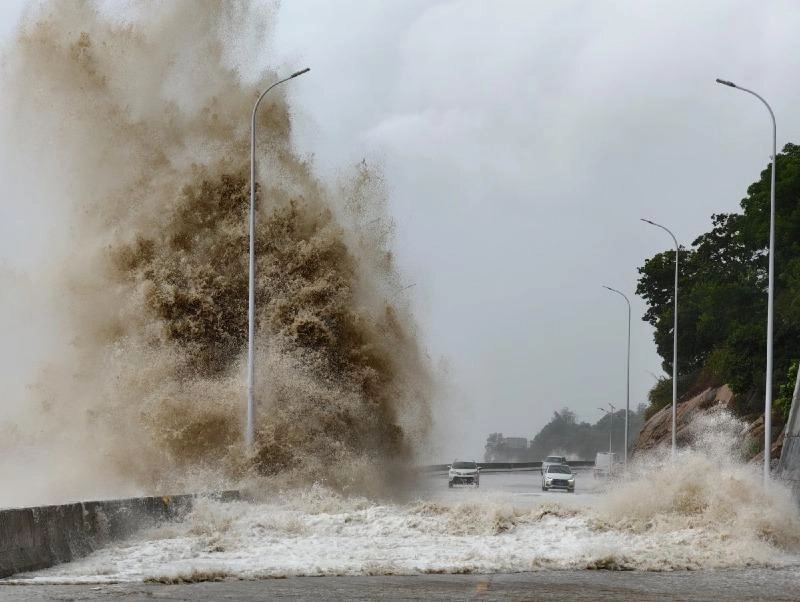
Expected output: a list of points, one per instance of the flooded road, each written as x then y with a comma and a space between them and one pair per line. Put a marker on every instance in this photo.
506, 540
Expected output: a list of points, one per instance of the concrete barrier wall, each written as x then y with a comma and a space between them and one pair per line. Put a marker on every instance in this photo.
790, 470
40, 537
789, 463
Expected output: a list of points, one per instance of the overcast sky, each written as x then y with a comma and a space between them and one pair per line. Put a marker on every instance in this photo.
521, 142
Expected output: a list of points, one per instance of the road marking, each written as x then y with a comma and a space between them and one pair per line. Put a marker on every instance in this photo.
483, 586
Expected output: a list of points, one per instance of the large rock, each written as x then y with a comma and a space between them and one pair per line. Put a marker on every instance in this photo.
755, 440
658, 430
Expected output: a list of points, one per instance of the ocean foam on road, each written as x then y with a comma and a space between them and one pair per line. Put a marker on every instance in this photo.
318, 532
703, 510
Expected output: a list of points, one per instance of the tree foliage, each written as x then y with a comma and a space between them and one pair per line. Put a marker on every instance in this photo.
565, 435
722, 304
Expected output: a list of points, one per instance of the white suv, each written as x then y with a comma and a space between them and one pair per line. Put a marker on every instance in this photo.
549, 460
464, 473
558, 477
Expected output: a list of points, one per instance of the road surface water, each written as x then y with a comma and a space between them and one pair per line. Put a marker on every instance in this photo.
506, 540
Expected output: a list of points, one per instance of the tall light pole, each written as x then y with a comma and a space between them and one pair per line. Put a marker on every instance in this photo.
251, 298
611, 429
674, 336
770, 285
628, 375
610, 436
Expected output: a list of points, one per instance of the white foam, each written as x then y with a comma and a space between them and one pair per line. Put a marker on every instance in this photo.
704, 510
316, 532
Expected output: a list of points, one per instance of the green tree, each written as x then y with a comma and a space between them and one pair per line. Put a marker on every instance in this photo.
581, 439
723, 290
494, 447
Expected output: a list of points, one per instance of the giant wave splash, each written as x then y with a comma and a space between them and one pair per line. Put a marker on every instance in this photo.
131, 130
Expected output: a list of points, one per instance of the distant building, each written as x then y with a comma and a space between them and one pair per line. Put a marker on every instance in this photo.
515, 442
505, 449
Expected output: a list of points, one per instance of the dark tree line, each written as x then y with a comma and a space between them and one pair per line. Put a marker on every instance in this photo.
565, 435
722, 305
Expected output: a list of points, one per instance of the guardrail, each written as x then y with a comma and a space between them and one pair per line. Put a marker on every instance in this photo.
489, 466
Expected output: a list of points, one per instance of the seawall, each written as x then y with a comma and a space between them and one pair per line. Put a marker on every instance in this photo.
43, 536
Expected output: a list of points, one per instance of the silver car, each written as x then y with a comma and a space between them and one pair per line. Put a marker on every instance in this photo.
558, 476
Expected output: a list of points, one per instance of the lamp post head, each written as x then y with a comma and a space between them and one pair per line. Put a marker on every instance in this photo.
296, 73
725, 82
647, 221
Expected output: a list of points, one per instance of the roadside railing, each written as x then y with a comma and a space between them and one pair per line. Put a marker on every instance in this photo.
506, 466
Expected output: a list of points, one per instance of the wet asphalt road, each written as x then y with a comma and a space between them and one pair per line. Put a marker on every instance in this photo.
720, 586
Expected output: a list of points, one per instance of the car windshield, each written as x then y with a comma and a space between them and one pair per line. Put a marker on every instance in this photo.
559, 469
464, 465
558, 459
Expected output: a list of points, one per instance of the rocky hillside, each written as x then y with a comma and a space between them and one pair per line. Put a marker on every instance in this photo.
657, 431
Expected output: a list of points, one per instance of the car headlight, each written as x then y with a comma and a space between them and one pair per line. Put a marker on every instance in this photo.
571, 479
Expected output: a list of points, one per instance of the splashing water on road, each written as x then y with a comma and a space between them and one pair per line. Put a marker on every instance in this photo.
705, 511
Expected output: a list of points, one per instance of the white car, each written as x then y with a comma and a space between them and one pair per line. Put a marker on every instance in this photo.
604, 464
464, 473
558, 476
549, 460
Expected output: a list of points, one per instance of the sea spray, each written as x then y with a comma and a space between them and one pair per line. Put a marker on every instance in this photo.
708, 495
133, 125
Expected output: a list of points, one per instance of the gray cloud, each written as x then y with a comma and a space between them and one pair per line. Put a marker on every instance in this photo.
522, 141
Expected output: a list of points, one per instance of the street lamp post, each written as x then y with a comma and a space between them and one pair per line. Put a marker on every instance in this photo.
611, 430
770, 285
610, 436
674, 336
628, 375
251, 298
